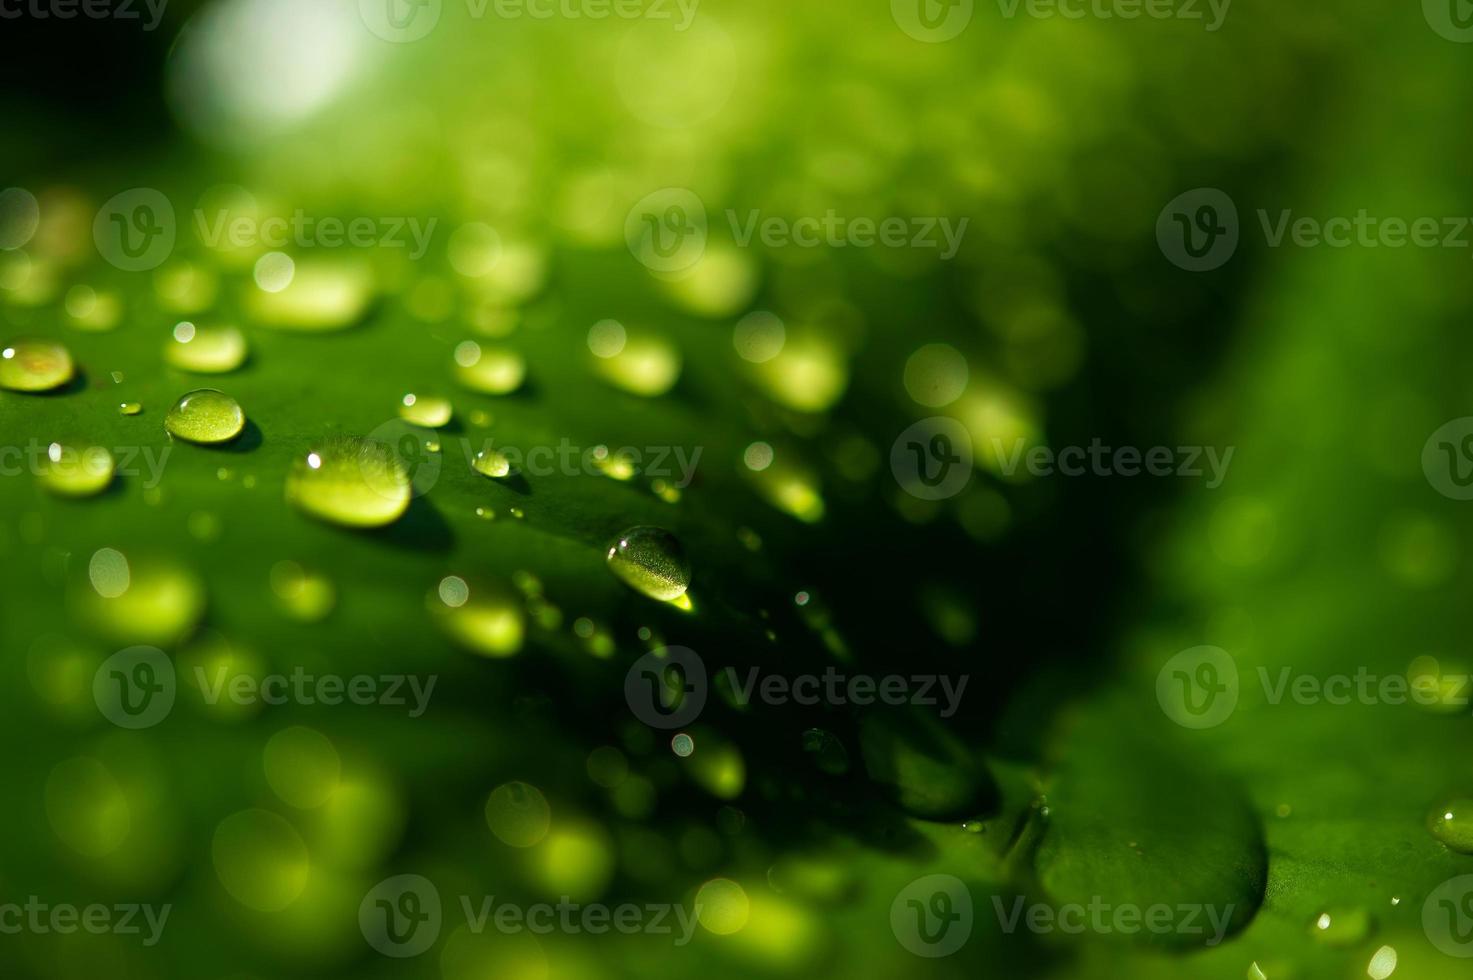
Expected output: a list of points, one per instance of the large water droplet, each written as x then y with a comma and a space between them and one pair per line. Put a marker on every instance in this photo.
35, 365
651, 560
205, 416
352, 481
489, 370
72, 471
206, 350
1452, 823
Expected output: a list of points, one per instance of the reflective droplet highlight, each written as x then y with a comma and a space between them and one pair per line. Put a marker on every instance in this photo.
205, 416
650, 560
352, 481
35, 365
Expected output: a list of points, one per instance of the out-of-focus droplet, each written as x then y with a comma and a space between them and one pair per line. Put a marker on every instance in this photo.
35, 365
723, 906
430, 411
518, 814
645, 366
352, 481
682, 745
323, 295
1452, 823
139, 600
205, 350
480, 618
72, 471
809, 375
489, 370
302, 766
936, 375
759, 337
260, 860
651, 560
606, 338
303, 595
757, 456
93, 311
205, 416
1341, 926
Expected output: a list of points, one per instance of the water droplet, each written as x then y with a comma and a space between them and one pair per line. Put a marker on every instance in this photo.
206, 350
650, 560
518, 814
91, 310
130, 408
809, 375
647, 366
324, 295
606, 338
1383, 963
489, 370
758, 456
274, 271
490, 462
70, 471
616, 466
1452, 823
352, 481
140, 600
791, 487
303, 595
486, 513
759, 337
431, 411
483, 619
1341, 926
35, 365
205, 416
518, 513
682, 745
302, 767
936, 375
722, 906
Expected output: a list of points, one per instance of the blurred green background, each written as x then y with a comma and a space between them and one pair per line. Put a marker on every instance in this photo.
532, 143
